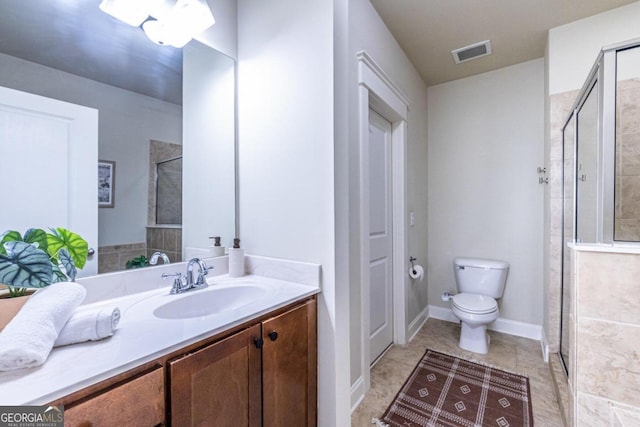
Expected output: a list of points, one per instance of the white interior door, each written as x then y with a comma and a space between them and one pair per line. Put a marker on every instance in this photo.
49, 152
380, 236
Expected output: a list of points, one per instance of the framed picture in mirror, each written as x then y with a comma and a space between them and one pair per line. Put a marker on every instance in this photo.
106, 183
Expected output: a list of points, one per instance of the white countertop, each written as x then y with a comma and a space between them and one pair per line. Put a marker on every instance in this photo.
140, 337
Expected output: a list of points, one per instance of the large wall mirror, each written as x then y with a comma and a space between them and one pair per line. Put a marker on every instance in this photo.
159, 109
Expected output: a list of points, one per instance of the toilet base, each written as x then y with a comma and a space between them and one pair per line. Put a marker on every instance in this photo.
474, 338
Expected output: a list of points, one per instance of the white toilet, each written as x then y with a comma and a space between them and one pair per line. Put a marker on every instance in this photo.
480, 282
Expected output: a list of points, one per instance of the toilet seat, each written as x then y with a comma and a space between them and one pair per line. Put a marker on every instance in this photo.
474, 303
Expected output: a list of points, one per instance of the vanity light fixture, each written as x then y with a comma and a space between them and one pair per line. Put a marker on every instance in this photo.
162, 34
165, 22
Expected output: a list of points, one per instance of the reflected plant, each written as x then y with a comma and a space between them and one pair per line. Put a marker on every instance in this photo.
40, 258
138, 262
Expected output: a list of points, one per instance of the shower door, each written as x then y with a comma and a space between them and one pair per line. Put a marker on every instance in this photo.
568, 224
601, 172
587, 168
580, 197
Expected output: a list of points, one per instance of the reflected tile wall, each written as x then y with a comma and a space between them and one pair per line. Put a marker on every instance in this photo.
165, 239
114, 258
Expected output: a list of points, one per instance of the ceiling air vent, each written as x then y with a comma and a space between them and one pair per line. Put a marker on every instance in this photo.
473, 51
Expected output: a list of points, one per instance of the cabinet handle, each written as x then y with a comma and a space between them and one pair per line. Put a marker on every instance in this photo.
273, 336
258, 342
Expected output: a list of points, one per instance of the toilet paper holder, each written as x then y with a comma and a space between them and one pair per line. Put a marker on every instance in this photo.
413, 267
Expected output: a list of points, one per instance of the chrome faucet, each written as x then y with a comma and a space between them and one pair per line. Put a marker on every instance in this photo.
203, 270
156, 255
184, 283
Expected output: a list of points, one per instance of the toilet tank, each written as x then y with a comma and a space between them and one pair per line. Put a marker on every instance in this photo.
481, 276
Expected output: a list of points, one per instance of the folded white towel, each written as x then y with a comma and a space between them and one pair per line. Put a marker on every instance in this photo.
88, 325
28, 339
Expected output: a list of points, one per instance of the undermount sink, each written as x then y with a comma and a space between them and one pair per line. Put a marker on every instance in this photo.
199, 303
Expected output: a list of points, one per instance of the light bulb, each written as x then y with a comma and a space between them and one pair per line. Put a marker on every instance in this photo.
162, 34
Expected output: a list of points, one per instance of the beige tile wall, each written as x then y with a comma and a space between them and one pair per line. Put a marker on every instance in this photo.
115, 257
604, 320
159, 239
165, 239
627, 223
605, 389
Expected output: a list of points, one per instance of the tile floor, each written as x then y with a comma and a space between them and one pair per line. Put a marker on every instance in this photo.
515, 354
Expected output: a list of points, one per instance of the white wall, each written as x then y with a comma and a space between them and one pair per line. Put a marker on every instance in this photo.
286, 162
127, 121
486, 138
368, 32
222, 36
573, 48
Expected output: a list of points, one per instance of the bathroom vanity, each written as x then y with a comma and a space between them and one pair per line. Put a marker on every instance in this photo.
242, 351
259, 373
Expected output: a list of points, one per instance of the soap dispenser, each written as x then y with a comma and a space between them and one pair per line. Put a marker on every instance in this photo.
236, 259
217, 249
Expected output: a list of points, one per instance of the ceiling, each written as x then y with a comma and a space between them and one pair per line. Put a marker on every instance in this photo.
77, 37
428, 30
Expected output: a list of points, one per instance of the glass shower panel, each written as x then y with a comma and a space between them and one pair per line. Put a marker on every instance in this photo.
169, 192
587, 169
568, 174
627, 157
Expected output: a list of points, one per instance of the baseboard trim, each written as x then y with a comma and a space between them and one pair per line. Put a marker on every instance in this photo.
506, 326
357, 393
416, 324
544, 346
442, 313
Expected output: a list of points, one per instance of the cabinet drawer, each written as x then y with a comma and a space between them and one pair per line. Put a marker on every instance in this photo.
138, 401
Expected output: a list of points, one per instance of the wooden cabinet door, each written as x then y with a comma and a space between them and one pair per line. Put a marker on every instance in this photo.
289, 359
218, 385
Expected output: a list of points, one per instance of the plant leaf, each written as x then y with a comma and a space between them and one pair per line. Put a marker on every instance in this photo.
58, 275
36, 235
62, 238
67, 263
9, 236
24, 266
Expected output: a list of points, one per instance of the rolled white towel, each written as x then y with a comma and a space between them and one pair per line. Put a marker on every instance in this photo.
27, 340
88, 325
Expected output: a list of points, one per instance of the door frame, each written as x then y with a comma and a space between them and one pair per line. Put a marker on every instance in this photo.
378, 92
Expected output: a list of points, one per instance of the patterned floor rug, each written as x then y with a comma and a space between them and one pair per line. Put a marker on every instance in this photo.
447, 391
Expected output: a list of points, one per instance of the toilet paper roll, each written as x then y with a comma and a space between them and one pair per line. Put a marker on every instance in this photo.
417, 272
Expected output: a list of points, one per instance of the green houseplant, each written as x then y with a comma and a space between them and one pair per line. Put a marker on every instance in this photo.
40, 258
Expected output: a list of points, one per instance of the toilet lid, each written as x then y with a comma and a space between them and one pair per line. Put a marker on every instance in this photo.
473, 303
